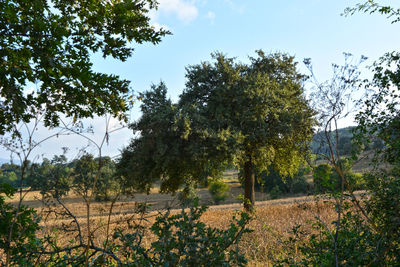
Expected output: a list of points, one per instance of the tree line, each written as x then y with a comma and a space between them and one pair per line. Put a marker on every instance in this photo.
58, 177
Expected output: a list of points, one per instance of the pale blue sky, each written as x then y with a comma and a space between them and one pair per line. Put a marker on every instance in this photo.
304, 28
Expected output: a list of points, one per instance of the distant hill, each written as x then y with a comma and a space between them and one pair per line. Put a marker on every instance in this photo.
319, 145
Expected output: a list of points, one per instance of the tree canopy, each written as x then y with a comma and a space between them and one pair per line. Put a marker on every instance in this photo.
253, 115
48, 45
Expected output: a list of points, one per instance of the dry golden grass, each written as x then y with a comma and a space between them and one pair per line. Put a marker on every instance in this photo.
272, 225
272, 222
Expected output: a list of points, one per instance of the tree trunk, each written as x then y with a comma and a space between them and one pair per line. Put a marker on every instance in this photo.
249, 195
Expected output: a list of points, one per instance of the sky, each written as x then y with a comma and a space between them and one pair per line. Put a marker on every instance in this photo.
303, 28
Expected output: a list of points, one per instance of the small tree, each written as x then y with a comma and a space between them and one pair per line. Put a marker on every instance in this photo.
219, 190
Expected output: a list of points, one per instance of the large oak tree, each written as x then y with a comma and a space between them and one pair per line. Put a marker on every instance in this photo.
253, 115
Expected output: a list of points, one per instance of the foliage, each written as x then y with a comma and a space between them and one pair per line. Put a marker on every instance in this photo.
59, 180
107, 184
53, 178
275, 192
323, 179
367, 232
328, 180
159, 153
96, 174
345, 144
50, 43
180, 240
252, 115
219, 190
266, 181
371, 6
361, 241
189, 197
356, 245
183, 240
57, 177
256, 112
381, 113
8, 177
23, 238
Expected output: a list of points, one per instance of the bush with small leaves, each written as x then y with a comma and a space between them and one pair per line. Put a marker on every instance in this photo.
356, 243
218, 190
275, 192
18, 226
183, 240
188, 197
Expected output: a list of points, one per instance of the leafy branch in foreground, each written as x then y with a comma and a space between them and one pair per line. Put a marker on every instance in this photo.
49, 44
183, 240
371, 6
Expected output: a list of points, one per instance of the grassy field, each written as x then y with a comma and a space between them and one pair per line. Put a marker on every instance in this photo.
272, 223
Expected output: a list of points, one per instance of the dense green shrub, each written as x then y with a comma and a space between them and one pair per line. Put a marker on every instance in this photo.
275, 192
188, 196
323, 180
359, 241
9, 178
328, 180
182, 240
356, 181
218, 190
24, 223
52, 177
297, 184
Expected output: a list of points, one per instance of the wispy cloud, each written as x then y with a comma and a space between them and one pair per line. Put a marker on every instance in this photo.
234, 6
211, 16
186, 11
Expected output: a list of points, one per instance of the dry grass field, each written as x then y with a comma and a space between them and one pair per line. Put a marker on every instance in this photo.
272, 223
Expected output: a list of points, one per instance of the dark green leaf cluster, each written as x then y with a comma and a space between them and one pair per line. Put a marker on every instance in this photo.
254, 110
51, 177
296, 184
189, 197
359, 242
356, 245
218, 190
381, 115
9, 174
50, 43
328, 180
166, 148
183, 240
24, 223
